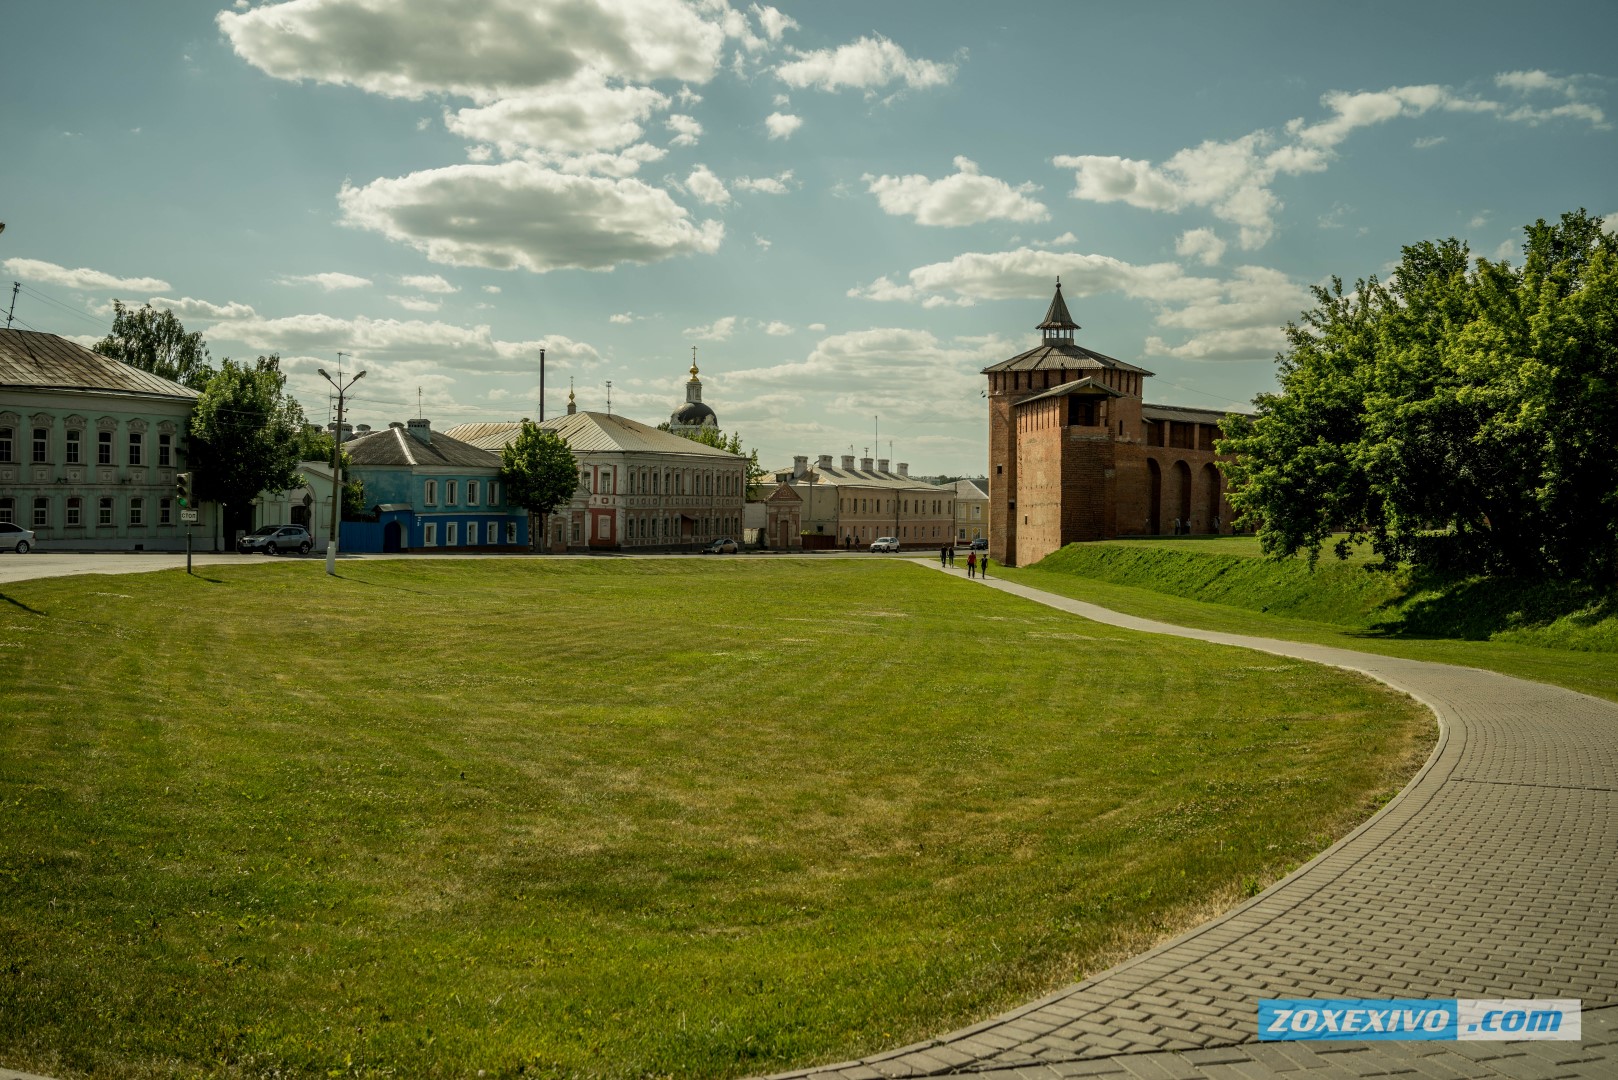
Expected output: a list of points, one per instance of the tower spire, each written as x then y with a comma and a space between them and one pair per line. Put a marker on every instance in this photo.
1058, 325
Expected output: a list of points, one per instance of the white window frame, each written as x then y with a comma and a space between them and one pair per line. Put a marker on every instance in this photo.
75, 446
137, 512
165, 511
429, 493
471, 534
137, 448
104, 509
450, 533
452, 492
429, 534
75, 512
473, 490
42, 511
165, 450
511, 532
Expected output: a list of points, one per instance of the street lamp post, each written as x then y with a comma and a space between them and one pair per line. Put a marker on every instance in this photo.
337, 465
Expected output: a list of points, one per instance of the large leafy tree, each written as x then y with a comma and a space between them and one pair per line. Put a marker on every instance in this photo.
731, 444
1465, 411
540, 474
154, 340
244, 438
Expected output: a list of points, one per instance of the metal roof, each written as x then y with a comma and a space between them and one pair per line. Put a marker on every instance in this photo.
33, 360
1057, 318
972, 489
594, 432
1064, 356
1187, 414
858, 478
396, 446
1085, 385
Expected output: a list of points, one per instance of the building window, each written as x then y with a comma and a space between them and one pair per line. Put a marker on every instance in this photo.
165, 451
575, 532
471, 526
42, 512
135, 447
104, 511
511, 532
104, 447
6, 509
494, 493
137, 511
42, 445
451, 492
584, 479
5, 444
165, 511
472, 493
450, 531
429, 534
74, 447
75, 512
430, 494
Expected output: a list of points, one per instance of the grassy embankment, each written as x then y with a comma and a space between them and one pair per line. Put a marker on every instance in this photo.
662, 818
1547, 631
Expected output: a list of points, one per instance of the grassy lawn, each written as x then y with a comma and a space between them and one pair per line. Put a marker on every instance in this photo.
1545, 632
620, 819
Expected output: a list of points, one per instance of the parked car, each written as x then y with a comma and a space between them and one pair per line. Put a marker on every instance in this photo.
273, 539
727, 546
14, 537
885, 543
981, 544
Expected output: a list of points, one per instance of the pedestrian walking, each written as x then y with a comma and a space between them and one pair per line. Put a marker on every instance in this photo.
971, 563
943, 559
983, 566
952, 555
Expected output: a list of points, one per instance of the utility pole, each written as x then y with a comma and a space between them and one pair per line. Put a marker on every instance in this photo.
542, 384
337, 462
15, 285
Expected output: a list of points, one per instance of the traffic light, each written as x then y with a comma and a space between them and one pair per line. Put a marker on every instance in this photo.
182, 489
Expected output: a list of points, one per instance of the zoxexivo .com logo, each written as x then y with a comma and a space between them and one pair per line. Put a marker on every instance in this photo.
1461, 1020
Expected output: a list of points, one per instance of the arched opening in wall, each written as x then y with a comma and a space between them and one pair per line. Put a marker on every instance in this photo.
1154, 498
1210, 480
1182, 494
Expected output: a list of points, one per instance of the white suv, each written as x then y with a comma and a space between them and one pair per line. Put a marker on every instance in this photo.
885, 543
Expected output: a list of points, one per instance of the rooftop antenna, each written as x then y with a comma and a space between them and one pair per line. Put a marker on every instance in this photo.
609, 397
418, 402
15, 285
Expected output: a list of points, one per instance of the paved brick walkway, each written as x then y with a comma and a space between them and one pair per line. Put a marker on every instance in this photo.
1493, 874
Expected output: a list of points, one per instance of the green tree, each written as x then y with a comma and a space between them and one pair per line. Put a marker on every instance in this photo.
1465, 413
730, 444
316, 445
244, 438
157, 342
540, 474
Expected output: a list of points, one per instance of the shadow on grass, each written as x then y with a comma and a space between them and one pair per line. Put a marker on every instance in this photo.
14, 602
1477, 608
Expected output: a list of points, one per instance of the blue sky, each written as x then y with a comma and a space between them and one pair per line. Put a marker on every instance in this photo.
850, 208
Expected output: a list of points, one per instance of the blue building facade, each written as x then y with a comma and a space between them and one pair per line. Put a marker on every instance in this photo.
431, 493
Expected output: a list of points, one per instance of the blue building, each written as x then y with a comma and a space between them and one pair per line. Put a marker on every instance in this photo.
430, 493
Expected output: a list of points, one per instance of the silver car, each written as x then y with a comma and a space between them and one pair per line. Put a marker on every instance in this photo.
272, 539
14, 537
886, 543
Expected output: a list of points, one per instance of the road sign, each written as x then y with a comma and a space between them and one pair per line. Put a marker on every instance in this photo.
188, 517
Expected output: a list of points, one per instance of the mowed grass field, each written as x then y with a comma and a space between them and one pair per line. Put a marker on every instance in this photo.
696, 818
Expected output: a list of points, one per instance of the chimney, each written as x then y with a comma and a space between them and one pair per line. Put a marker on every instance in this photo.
848, 462
882, 464
396, 424
421, 429
344, 435
800, 465
825, 462
865, 464
362, 429
904, 468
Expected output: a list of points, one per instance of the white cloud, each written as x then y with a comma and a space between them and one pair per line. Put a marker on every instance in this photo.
479, 49
626, 162
1427, 142
718, 330
1201, 244
430, 283
1248, 343
817, 327
687, 130
521, 215
80, 278
706, 186
499, 393
966, 198
1028, 273
1232, 179
782, 125
1256, 296
866, 64
331, 281
1609, 223
582, 115
772, 21
763, 242
1527, 82
781, 101
624, 318
189, 308
778, 329
492, 289
480, 153
766, 185
416, 303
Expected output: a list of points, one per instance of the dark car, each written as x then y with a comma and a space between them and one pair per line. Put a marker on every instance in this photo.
273, 539
981, 544
14, 537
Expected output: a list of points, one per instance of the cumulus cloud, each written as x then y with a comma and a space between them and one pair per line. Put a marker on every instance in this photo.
867, 64
188, 308
522, 215
416, 303
479, 49
706, 186
765, 185
1232, 178
718, 330
492, 289
773, 22
1249, 343
626, 162
624, 318
687, 130
579, 116
778, 329
966, 198
429, 283
1201, 244
80, 278
330, 281
781, 125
